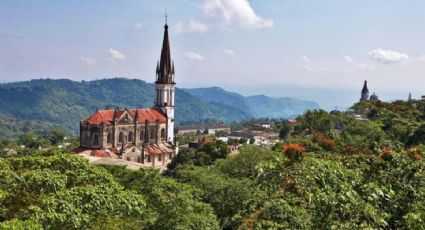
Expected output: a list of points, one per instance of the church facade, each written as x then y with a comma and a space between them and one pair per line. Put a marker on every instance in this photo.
144, 136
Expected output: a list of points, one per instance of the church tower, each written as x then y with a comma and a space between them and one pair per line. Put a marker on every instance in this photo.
365, 92
165, 85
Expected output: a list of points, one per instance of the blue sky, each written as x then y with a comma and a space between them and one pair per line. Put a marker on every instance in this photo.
240, 43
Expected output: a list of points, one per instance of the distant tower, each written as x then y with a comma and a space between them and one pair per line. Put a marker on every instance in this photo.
165, 85
409, 99
365, 92
374, 97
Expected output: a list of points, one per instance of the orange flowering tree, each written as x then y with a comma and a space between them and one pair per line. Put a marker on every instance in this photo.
386, 153
293, 151
415, 154
324, 142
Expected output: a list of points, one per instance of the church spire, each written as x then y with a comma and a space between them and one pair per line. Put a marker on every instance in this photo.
165, 71
365, 92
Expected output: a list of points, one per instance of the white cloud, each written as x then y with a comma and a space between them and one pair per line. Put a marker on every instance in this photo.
193, 56
139, 25
236, 12
348, 59
306, 59
193, 26
88, 60
388, 56
116, 55
229, 52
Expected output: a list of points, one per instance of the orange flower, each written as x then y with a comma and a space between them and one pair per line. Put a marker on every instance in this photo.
386, 152
294, 151
293, 148
350, 150
415, 154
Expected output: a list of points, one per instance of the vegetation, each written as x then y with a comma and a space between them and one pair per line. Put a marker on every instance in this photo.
41, 105
63, 191
257, 106
332, 171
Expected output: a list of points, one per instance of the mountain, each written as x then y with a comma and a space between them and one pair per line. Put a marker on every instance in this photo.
257, 106
43, 104
64, 103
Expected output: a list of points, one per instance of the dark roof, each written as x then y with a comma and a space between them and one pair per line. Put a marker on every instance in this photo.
365, 89
241, 134
165, 68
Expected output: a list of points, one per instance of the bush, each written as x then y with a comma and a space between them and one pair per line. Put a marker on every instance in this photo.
294, 152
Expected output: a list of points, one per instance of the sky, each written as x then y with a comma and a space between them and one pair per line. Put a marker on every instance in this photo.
237, 44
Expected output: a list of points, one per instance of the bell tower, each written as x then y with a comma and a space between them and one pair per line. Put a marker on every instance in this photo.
365, 92
165, 85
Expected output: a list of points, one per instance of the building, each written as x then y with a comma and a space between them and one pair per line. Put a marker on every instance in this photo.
374, 97
206, 129
365, 92
240, 134
146, 135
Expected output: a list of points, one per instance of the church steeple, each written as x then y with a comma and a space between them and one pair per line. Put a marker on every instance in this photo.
165, 70
165, 85
365, 92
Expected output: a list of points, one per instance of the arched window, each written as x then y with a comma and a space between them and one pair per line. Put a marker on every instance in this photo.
96, 140
152, 135
109, 138
130, 136
121, 137
162, 134
142, 135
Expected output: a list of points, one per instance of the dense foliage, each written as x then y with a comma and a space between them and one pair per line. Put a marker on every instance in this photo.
62, 191
262, 189
362, 169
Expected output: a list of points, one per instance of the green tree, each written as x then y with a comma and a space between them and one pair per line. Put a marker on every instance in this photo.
285, 130
56, 136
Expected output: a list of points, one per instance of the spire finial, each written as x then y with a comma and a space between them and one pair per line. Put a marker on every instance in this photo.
166, 17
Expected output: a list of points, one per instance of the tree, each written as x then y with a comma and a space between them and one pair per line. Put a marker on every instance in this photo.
56, 136
243, 141
189, 157
29, 139
216, 150
251, 140
285, 130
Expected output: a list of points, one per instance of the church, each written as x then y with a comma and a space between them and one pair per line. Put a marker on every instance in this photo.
365, 94
143, 135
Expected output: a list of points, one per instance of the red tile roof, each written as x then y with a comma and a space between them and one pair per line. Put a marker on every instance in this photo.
107, 116
159, 148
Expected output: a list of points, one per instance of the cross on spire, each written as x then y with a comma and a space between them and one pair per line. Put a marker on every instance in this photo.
166, 17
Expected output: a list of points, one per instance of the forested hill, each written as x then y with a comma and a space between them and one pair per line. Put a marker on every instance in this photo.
45, 103
64, 102
257, 106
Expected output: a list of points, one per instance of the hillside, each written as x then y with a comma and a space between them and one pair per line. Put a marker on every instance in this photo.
257, 106
64, 102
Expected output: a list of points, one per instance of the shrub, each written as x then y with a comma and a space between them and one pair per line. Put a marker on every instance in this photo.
294, 152
386, 153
